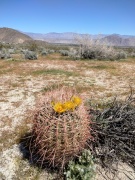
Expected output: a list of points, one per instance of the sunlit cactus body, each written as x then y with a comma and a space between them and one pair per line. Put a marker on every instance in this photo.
60, 136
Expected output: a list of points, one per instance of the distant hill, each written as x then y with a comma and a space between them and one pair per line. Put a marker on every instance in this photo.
9, 35
119, 40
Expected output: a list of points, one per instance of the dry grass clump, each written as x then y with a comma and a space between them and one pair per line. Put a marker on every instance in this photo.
59, 133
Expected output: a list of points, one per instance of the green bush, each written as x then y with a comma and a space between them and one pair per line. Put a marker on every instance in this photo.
30, 55
50, 51
44, 53
4, 54
64, 52
83, 169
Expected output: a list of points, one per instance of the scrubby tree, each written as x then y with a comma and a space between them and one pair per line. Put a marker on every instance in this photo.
90, 48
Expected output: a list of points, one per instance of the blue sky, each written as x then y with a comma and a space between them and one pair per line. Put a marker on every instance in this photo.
80, 16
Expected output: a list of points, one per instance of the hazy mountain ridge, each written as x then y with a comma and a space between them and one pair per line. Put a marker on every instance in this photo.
9, 35
119, 40
59, 36
68, 37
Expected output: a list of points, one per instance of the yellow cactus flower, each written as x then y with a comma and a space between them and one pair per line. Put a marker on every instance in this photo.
69, 105
76, 100
66, 106
59, 108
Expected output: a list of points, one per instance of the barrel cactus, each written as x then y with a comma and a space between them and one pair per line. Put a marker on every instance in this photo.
61, 127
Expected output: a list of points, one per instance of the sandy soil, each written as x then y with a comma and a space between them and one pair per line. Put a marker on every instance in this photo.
21, 83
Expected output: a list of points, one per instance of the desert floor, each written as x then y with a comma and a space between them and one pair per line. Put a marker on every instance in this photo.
22, 82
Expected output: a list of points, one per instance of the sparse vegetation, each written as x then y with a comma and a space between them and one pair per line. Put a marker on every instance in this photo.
54, 72
23, 81
94, 49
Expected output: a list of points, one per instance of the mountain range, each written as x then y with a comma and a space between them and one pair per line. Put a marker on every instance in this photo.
9, 35
69, 37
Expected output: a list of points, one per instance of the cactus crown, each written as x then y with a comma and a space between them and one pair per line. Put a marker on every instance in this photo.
73, 103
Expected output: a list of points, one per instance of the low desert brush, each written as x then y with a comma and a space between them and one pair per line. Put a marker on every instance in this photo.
82, 168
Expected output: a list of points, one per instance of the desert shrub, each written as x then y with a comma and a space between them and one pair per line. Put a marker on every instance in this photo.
24, 51
73, 53
5, 45
44, 53
121, 55
64, 52
115, 132
1, 45
11, 51
4, 54
132, 54
88, 54
96, 49
61, 128
81, 169
50, 51
3, 50
130, 51
30, 55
